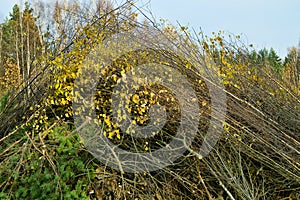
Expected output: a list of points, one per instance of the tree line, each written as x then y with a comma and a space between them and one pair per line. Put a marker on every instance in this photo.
29, 33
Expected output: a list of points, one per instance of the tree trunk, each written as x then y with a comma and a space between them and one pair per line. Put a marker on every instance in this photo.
28, 60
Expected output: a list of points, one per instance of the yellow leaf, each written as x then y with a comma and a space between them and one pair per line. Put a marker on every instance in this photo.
135, 98
183, 28
115, 78
146, 92
56, 85
118, 134
226, 82
73, 75
119, 112
107, 121
111, 135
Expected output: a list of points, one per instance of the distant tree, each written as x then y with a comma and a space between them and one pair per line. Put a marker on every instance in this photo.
263, 54
21, 42
275, 62
268, 58
292, 66
63, 20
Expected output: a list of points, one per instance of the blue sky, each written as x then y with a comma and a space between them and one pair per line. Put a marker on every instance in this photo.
264, 23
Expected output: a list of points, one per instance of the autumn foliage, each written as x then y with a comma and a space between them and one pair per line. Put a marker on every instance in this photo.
43, 156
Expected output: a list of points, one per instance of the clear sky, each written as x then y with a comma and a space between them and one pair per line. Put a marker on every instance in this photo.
264, 23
